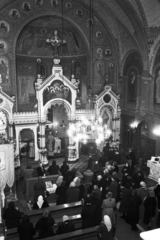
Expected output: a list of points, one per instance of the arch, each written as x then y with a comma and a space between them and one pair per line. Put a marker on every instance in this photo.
109, 106
59, 102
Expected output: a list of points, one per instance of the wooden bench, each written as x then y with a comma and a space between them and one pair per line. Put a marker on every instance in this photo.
30, 185
84, 234
57, 211
12, 234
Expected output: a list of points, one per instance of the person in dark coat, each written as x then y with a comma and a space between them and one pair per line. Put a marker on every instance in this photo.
150, 208
157, 193
39, 189
53, 169
73, 193
137, 178
64, 168
105, 183
102, 160
98, 211
126, 195
40, 170
40, 203
45, 225
88, 213
116, 168
131, 155
105, 231
11, 216
26, 229
132, 216
66, 226
61, 193
126, 177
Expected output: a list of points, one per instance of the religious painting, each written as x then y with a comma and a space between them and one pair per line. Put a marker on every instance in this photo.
14, 14
68, 5
79, 13
107, 53
90, 23
99, 72
57, 89
39, 3
99, 35
157, 86
111, 71
26, 6
4, 28
3, 47
26, 87
54, 3
99, 53
132, 84
4, 71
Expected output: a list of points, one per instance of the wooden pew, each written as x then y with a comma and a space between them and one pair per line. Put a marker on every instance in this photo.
84, 234
57, 211
31, 181
12, 234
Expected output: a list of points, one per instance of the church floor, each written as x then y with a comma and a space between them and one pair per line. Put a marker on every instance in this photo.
123, 231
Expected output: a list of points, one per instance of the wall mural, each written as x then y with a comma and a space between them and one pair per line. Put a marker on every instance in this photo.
14, 14
57, 89
99, 72
132, 85
157, 86
26, 6
3, 47
4, 71
4, 28
26, 87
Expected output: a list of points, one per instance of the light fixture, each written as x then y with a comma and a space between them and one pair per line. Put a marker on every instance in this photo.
134, 124
156, 131
87, 129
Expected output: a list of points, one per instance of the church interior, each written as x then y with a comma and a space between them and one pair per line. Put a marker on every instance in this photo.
76, 76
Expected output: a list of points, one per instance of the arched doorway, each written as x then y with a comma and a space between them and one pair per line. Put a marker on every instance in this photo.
56, 129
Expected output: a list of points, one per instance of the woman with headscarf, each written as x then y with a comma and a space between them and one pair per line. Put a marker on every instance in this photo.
26, 229
59, 181
108, 207
41, 203
65, 226
45, 225
88, 214
105, 231
73, 193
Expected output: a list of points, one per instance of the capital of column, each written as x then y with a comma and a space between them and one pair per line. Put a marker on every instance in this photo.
147, 79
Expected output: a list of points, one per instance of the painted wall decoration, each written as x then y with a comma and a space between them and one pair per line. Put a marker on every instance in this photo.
26, 87
99, 72
57, 89
111, 72
132, 85
68, 5
3, 47
99, 36
107, 53
157, 86
79, 13
26, 6
4, 71
39, 3
4, 28
54, 3
14, 14
99, 53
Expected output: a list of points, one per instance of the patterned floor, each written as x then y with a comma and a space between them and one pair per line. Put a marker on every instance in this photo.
81, 165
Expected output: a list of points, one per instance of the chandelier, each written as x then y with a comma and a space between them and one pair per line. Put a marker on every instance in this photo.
86, 130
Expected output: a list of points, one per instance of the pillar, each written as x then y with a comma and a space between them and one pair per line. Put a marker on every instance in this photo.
35, 144
11, 130
42, 137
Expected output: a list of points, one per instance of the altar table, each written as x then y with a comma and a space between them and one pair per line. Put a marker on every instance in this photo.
154, 170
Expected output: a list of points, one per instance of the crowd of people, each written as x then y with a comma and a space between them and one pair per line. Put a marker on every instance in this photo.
111, 190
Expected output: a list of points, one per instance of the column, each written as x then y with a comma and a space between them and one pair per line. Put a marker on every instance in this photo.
17, 140
114, 127
42, 137
11, 130
35, 144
